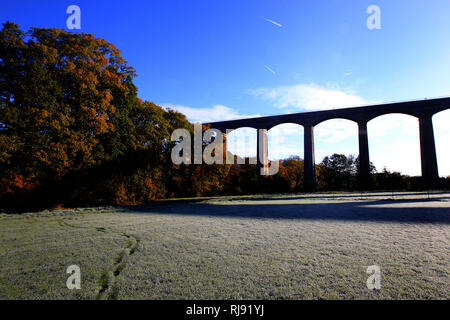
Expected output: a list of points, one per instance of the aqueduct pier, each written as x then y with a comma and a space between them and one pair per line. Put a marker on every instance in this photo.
423, 110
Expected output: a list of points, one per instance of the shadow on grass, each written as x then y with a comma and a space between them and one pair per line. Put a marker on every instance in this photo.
356, 195
378, 210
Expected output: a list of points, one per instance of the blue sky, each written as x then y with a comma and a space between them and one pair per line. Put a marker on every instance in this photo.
216, 60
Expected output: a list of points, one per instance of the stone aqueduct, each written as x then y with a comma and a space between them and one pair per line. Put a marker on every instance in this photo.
423, 110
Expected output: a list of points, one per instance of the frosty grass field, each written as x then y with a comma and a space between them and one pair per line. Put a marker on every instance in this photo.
313, 246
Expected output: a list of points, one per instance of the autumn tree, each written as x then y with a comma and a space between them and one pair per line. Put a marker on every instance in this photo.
65, 101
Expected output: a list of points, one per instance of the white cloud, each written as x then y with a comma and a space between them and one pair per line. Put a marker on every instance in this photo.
309, 97
286, 129
285, 140
202, 115
392, 124
335, 136
335, 130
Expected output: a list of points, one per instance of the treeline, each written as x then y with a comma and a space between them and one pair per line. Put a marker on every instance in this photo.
337, 172
73, 132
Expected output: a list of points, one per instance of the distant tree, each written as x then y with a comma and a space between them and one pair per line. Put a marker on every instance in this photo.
387, 180
337, 172
372, 168
292, 172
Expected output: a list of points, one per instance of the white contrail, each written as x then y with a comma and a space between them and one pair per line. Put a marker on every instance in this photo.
273, 22
270, 69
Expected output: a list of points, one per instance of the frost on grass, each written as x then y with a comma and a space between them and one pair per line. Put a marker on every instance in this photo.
264, 247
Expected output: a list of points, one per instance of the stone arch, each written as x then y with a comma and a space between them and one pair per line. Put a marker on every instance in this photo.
441, 128
339, 134
394, 142
242, 141
285, 140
